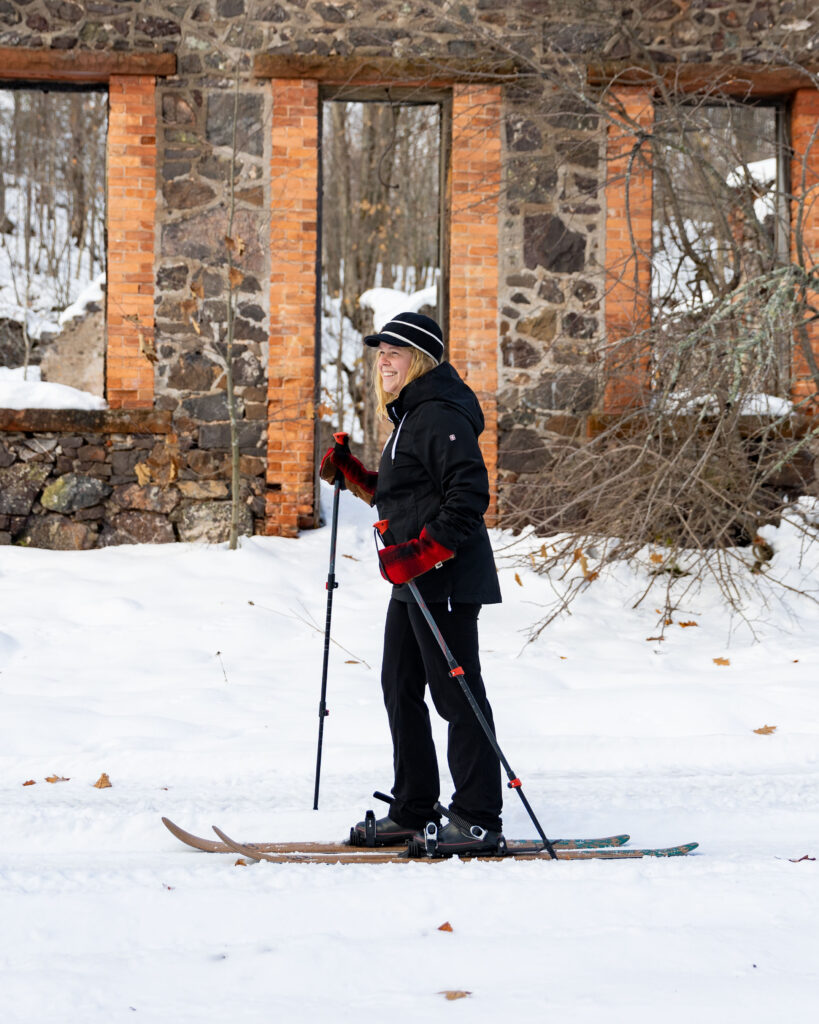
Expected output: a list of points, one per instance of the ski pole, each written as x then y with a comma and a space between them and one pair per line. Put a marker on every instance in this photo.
338, 484
457, 672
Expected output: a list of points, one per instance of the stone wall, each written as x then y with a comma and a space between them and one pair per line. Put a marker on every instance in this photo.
78, 480
552, 258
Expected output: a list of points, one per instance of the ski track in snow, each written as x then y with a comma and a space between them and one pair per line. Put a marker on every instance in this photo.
191, 674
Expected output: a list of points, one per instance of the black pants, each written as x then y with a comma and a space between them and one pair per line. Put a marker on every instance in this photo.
413, 659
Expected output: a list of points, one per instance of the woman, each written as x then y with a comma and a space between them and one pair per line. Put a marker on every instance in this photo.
433, 489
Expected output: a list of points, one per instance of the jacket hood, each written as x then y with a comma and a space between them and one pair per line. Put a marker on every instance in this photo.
441, 384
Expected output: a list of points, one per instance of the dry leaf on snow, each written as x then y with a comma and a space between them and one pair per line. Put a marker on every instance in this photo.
798, 860
656, 558
685, 625
766, 730
722, 661
518, 580
56, 778
30, 782
454, 993
103, 782
445, 927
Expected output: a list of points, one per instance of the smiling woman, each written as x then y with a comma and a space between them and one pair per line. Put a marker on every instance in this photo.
431, 490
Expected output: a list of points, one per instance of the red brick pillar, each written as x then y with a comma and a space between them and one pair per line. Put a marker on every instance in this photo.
293, 253
805, 218
473, 269
131, 215
628, 247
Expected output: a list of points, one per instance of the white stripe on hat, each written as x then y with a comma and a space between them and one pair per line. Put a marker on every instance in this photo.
406, 341
423, 330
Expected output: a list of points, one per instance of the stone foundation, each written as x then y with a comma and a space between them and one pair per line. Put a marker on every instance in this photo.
73, 480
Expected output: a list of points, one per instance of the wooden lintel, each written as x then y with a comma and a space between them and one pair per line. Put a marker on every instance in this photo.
388, 71
86, 421
80, 66
751, 81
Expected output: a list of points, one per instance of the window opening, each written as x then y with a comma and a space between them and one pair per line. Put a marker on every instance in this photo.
381, 244
720, 228
52, 246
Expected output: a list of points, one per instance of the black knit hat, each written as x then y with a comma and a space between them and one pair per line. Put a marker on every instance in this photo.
411, 329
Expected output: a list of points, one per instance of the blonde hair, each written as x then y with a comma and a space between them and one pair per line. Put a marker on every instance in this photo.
421, 363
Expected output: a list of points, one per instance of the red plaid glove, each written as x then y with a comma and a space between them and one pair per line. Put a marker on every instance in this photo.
401, 563
358, 480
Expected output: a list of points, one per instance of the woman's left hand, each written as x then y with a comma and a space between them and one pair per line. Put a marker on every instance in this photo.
401, 563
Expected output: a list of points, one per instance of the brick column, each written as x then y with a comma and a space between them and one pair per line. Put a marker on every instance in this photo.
293, 253
805, 190
131, 216
628, 247
473, 269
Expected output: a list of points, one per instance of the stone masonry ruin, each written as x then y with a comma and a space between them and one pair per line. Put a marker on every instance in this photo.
531, 231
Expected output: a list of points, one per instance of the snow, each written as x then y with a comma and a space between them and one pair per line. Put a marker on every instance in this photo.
753, 404
190, 675
23, 389
93, 292
762, 172
386, 303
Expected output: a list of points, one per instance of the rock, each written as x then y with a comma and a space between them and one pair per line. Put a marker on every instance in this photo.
548, 243
531, 181
522, 134
208, 408
137, 528
19, 486
252, 465
184, 194
570, 391
218, 436
550, 291
542, 327
519, 353
56, 533
193, 372
210, 521
249, 121
74, 491
203, 489
523, 451
149, 498
172, 279
577, 326
210, 465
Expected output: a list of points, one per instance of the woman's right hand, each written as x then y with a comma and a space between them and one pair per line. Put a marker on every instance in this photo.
358, 480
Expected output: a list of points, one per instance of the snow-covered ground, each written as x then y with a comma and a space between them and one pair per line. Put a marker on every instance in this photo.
22, 388
190, 675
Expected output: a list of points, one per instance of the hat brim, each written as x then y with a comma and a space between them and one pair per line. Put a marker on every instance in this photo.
374, 340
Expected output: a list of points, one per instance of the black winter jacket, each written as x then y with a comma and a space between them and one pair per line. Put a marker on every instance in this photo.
432, 475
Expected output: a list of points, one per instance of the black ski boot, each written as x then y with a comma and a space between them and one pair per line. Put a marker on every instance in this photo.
383, 832
455, 838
